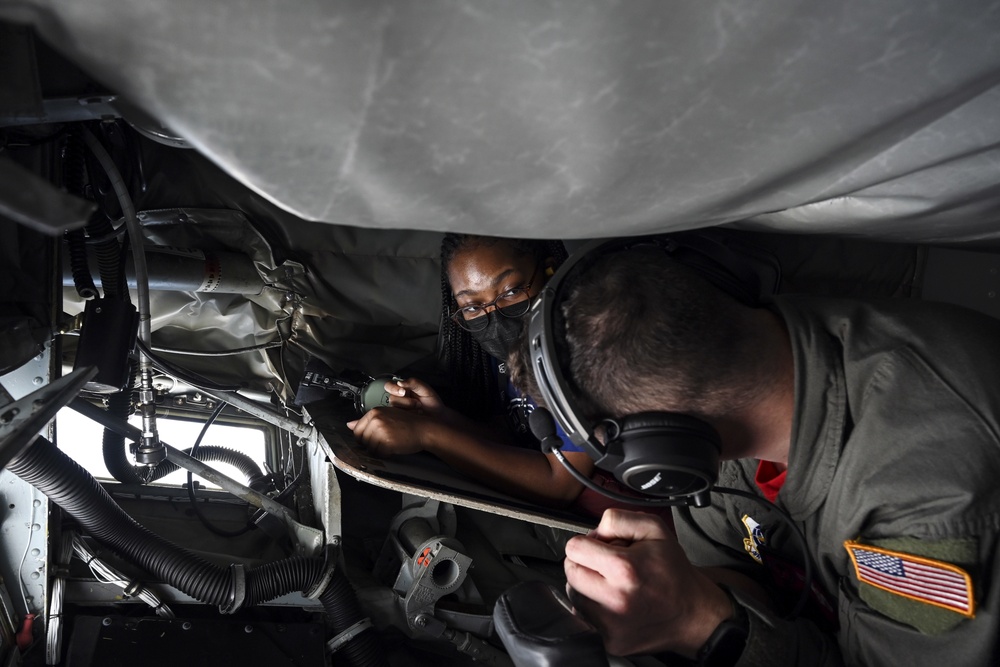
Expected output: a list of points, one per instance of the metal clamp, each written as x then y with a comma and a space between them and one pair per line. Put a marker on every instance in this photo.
330, 553
336, 643
237, 591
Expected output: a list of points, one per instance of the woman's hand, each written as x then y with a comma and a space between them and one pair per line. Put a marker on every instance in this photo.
416, 395
390, 431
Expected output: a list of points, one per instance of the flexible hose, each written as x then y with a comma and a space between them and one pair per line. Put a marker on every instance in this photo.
82, 279
73, 489
113, 443
242, 462
74, 179
110, 260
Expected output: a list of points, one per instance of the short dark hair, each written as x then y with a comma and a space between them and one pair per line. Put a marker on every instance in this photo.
644, 332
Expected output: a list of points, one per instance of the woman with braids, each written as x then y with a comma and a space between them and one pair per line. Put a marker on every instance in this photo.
487, 286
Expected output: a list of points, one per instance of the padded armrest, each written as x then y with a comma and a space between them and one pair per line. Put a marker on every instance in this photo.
538, 629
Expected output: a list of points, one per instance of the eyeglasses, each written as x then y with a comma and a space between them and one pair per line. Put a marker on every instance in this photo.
513, 303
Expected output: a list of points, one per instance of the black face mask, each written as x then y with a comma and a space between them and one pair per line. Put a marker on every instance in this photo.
499, 336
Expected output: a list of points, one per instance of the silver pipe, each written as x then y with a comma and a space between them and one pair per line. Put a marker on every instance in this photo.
229, 484
309, 540
261, 412
195, 271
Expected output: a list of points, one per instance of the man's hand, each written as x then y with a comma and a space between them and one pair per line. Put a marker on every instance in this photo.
413, 394
388, 431
630, 578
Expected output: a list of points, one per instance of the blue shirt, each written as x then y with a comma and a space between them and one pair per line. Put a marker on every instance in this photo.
516, 407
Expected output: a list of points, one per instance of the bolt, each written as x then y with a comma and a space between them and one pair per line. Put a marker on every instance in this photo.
106, 622
8, 416
37, 380
186, 625
335, 540
248, 629
421, 621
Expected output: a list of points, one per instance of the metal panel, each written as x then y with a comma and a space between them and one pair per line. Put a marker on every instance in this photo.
24, 515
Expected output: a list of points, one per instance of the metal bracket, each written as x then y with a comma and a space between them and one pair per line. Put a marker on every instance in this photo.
436, 569
238, 593
21, 421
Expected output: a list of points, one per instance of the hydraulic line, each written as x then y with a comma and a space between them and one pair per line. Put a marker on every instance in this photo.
149, 452
74, 179
113, 443
82, 279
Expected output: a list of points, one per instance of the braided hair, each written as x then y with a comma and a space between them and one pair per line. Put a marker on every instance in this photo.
470, 369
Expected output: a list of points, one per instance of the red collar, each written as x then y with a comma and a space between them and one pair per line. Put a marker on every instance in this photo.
769, 479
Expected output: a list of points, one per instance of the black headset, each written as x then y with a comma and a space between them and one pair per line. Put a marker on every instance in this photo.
669, 458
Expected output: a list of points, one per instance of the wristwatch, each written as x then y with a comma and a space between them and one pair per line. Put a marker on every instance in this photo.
725, 645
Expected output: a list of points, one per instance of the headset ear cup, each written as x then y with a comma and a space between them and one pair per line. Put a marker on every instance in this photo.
665, 454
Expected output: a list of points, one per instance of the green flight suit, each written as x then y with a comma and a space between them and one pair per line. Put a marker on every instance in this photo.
895, 443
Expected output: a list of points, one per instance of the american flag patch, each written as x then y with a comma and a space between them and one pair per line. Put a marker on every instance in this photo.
922, 579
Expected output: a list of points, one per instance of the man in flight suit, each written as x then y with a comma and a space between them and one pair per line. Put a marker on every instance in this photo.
874, 425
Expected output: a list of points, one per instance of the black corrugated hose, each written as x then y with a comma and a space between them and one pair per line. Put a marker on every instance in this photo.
73, 489
113, 443
118, 464
245, 464
74, 178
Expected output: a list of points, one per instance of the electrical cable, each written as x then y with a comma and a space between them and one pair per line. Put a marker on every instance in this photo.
114, 234
107, 574
189, 377
24, 556
149, 451
219, 353
190, 483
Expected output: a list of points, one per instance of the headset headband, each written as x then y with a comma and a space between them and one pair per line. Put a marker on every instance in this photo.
545, 362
